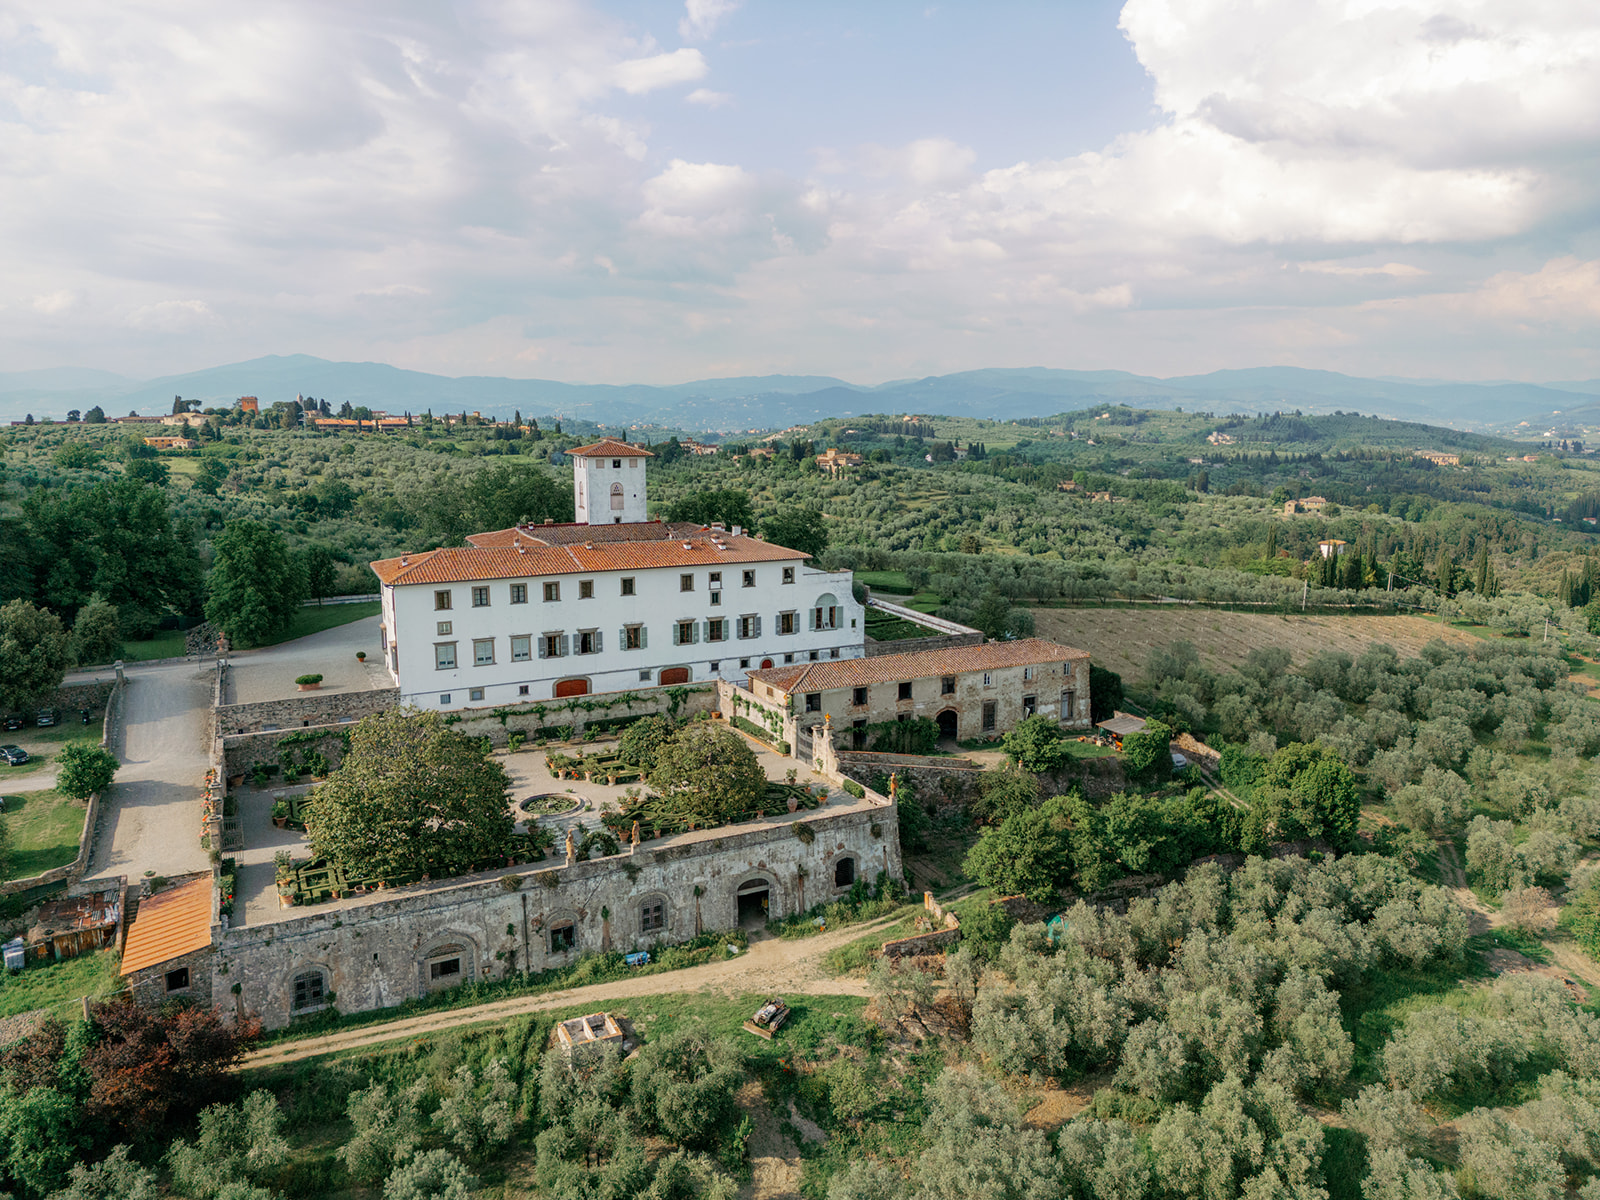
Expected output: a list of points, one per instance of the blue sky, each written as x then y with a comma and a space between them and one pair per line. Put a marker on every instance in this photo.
654, 191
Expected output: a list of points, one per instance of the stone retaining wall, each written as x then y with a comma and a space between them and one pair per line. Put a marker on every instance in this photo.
299, 712
946, 641
241, 751
942, 780
603, 706
381, 948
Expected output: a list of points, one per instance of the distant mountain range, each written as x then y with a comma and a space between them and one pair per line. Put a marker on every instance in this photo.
779, 401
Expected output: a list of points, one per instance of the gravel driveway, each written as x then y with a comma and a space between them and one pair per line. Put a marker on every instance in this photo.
151, 819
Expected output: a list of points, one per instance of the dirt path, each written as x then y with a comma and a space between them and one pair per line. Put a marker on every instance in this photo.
770, 965
1480, 917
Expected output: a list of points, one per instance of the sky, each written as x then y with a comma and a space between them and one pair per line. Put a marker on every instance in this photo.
653, 192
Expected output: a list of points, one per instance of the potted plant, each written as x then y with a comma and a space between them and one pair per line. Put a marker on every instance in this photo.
309, 683
280, 812
361, 656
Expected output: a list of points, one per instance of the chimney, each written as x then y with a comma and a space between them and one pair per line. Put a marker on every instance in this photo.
549, 520
738, 531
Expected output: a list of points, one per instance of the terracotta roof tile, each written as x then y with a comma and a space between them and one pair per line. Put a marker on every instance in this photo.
568, 532
913, 664
169, 925
609, 448
463, 564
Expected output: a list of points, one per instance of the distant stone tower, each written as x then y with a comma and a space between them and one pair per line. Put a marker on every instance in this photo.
608, 483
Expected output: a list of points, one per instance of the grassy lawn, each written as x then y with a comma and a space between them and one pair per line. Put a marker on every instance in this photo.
315, 619
885, 581
56, 983
44, 828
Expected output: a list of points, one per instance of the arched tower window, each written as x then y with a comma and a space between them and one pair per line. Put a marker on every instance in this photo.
616, 497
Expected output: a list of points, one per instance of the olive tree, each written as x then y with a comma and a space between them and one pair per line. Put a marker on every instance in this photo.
479, 1115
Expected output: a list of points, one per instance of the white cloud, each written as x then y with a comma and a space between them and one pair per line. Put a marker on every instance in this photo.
640, 75
1394, 270
173, 316
487, 186
701, 17
56, 303
708, 98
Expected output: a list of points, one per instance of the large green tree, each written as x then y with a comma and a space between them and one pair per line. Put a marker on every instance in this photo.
799, 529
412, 797
709, 774
34, 653
84, 769
96, 634
256, 584
494, 497
116, 540
730, 506
1026, 854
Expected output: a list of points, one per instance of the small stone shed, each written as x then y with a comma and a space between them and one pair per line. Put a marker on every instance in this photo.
168, 952
583, 1036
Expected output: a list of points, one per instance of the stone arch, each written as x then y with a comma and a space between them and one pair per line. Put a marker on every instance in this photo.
825, 611
753, 884
576, 685
671, 675
446, 960
949, 722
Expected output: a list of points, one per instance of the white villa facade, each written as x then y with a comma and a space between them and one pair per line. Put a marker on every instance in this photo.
610, 604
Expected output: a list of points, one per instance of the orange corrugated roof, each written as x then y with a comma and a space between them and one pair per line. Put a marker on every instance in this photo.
913, 664
610, 448
463, 564
169, 925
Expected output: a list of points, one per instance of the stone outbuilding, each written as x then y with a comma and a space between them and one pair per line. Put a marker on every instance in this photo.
168, 952
970, 691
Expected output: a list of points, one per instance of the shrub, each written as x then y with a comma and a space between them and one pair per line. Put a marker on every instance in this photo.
855, 789
307, 680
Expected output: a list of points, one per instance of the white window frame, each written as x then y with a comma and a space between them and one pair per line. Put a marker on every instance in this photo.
438, 656
526, 642
477, 652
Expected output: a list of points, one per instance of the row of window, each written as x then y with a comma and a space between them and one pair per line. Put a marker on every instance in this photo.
559, 644
444, 598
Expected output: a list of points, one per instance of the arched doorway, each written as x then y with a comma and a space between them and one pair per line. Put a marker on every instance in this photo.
947, 723
674, 675
766, 664
571, 687
754, 897
844, 872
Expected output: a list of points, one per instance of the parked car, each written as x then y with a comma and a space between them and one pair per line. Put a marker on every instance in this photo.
13, 755
1179, 762
47, 716
11, 721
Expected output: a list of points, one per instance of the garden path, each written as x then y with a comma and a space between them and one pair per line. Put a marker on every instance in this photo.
771, 965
